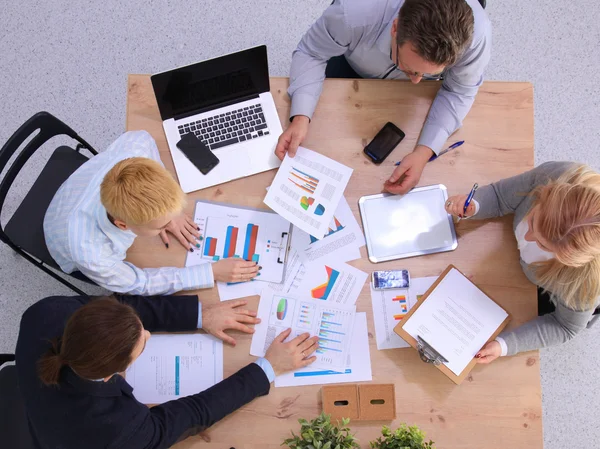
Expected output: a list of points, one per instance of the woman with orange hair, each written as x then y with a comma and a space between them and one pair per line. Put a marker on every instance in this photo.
556, 209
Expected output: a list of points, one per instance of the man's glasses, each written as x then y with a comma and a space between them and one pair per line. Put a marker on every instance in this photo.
425, 76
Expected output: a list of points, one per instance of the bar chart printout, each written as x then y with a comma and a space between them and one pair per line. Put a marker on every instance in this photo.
333, 324
251, 234
335, 330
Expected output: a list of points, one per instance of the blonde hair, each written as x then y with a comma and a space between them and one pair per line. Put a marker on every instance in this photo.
569, 218
138, 190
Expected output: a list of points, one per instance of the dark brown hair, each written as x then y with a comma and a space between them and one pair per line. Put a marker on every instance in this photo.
439, 30
97, 342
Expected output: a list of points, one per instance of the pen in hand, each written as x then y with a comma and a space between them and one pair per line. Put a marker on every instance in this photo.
469, 199
435, 156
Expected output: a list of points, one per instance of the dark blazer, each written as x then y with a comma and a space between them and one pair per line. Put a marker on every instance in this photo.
80, 413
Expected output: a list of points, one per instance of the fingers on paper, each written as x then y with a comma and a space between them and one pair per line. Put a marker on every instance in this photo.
308, 361
300, 339
281, 337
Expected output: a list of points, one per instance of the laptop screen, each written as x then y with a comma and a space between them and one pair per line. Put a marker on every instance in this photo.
210, 84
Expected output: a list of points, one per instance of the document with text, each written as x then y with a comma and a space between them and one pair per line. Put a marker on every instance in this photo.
456, 320
332, 323
307, 189
174, 366
391, 306
342, 241
358, 366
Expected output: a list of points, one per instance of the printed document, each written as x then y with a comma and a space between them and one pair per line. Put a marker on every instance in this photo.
342, 241
391, 306
307, 189
336, 282
176, 365
254, 235
358, 366
456, 320
332, 323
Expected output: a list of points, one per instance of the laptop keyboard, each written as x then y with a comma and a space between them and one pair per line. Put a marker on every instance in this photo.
243, 124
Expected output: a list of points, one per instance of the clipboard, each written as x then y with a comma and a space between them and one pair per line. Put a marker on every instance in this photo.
427, 353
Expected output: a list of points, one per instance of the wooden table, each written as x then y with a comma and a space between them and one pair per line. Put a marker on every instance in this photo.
498, 405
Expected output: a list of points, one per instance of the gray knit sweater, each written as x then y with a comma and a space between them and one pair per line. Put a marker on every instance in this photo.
509, 196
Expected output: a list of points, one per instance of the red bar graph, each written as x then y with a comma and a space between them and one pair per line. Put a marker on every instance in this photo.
253, 237
232, 242
212, 250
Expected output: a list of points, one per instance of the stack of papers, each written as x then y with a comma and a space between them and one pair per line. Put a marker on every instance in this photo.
322, 238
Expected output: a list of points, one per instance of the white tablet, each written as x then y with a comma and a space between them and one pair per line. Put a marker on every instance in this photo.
400, 226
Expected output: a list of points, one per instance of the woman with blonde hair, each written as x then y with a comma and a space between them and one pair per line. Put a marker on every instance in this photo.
556, 209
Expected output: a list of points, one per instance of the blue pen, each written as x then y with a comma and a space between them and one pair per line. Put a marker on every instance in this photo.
435, 156
469, 199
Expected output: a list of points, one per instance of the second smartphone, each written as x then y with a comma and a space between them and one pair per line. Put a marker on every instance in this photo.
198, 153
384, 280
384, 143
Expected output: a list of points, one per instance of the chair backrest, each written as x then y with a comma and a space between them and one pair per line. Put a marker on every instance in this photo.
14, 428
49, 127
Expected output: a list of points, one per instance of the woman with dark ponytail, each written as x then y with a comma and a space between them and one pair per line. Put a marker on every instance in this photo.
71, 350
98, 341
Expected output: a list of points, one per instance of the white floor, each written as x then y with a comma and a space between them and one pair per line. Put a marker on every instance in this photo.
72, 59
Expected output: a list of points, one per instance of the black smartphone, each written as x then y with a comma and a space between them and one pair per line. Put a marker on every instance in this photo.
384, 142
198, 153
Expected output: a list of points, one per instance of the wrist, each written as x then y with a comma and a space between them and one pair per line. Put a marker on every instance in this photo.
424, 152
301, 119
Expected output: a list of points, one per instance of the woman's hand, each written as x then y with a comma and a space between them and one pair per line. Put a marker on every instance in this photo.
292, 355
185, 231
235, 269
456, 204
490, 352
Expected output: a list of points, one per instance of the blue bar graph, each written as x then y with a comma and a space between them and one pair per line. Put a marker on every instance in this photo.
227, 241
320, 373
247, 241
328, 339
177, 375
255, 258
322, 349
330, 323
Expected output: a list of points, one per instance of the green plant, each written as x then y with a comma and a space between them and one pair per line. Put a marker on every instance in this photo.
321, 434
403, 437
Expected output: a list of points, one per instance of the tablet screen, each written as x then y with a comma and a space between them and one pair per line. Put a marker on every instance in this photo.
398, 226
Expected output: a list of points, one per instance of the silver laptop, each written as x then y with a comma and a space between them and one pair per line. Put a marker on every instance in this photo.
226, 102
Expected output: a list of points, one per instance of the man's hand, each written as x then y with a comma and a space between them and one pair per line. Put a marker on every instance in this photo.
408, 173
184, 229
216, 318
292, 137
490, 352
292, 355
235, 269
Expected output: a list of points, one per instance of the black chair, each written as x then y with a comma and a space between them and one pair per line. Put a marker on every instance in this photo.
14, 429
24, 232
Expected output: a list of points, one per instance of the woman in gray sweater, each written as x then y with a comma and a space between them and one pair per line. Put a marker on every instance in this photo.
556, 209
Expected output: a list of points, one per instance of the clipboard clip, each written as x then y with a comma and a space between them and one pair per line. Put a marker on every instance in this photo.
428, 354
285, 237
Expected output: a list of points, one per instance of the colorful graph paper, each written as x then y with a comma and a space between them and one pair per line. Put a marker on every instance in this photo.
323, 290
